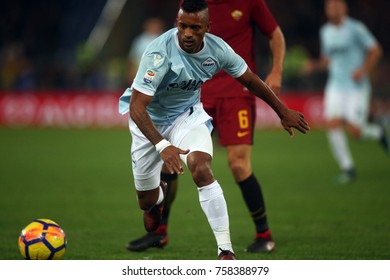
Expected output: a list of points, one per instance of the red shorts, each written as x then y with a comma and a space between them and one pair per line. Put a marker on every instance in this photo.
233, 118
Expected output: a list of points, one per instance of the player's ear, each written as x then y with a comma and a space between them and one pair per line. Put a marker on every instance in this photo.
209, 27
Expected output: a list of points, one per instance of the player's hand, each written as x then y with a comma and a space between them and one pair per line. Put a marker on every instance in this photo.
294, 119
358, 74
308, 67
171, 158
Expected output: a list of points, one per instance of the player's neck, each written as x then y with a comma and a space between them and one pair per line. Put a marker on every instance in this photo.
338, 21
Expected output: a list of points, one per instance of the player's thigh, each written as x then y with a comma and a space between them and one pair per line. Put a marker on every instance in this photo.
235, 121
146, 161
358, 108
334, 105
238, 153
197, 139
146, 172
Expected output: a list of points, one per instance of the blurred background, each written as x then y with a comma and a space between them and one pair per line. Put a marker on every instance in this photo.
64, 64
70, 47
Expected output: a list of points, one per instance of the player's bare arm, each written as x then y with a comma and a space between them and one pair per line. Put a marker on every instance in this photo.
278, 49
312, 65
170, 154
289, 118
372, 58
140, 116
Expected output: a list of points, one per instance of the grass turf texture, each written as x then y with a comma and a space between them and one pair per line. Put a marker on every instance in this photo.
82, 180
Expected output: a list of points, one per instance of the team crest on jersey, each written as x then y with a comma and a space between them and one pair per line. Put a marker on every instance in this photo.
149, 76
237, 15
208, 64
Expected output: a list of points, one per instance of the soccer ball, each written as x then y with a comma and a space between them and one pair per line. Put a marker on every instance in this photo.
43, 239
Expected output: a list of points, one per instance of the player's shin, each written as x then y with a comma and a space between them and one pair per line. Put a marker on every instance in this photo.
340, 149
214, 206
172, 182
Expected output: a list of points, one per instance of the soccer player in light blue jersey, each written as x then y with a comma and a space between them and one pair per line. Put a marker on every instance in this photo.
169, 125
153, 27
349, 51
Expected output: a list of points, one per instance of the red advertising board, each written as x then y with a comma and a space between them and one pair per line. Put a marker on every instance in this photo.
100, 109
61, 110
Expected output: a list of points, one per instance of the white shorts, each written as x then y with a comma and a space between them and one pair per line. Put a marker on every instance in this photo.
351, 105
189, 131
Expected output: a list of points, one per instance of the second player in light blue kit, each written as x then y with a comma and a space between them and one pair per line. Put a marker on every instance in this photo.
349, 51
167, 121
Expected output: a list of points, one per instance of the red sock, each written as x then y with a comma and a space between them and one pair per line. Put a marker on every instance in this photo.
162, 230
264, 235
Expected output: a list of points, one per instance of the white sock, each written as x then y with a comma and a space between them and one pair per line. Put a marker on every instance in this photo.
339, 147
160, 195
372, 131
214, 206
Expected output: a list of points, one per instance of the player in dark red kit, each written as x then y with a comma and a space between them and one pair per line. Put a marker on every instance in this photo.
233, 110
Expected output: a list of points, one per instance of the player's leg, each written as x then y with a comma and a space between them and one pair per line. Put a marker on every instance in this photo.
376, 132
172, 184
357, 121
235, 124
151, 201
159, 237
335, 107
339, 147
150, 195
240, 166
146, 170
211, 197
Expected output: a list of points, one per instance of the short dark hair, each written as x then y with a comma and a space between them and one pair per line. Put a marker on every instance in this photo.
344, 1
194, 6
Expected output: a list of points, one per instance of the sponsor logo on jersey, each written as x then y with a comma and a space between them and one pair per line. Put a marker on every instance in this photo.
340, 50
186, 85
149, 76
237, 15
241, 134
208, 64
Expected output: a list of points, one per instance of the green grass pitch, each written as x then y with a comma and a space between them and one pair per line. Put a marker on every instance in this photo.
82, 180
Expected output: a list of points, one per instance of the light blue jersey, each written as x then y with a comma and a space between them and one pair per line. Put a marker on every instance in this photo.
346, 46
174, 77
139, 45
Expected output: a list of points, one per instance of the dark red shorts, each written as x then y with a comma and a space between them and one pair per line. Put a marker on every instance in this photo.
233, 118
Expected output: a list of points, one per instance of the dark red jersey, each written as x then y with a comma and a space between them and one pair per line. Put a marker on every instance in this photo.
235, 22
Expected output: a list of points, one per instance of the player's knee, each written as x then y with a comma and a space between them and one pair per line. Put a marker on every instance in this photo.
334, 123
145, 205
146, 201
202, 175
199, 164
236, 167
237, 163
354, 131
240, 169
